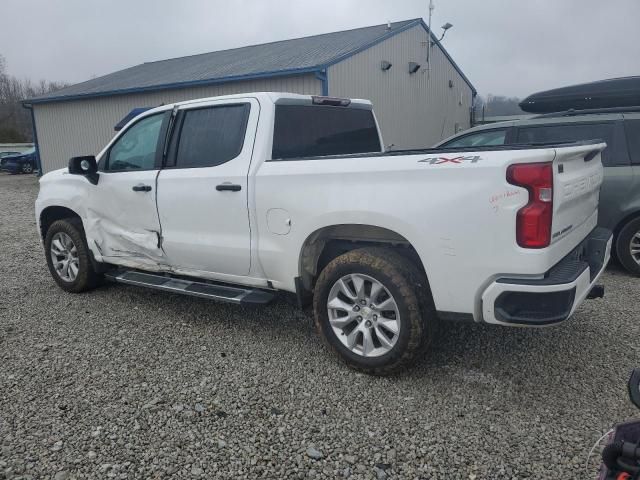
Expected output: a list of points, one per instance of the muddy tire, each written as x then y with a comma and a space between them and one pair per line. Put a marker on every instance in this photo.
68, 257
374, 308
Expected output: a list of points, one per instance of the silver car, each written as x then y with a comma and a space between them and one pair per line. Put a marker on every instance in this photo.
620, 194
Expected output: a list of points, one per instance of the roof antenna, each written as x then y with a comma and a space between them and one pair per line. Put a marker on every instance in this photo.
388, 24
431, 8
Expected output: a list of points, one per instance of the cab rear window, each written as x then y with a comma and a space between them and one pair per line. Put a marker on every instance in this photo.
312, 130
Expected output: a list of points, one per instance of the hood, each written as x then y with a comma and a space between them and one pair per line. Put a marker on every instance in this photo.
54, 175
19, 157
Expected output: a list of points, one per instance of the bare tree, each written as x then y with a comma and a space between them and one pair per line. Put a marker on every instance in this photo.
498, 105
15, 121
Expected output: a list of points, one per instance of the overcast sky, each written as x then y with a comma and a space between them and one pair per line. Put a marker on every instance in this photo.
505, 47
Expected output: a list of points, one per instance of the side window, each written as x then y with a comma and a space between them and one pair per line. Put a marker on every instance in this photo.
632, 129
576, 132
480, 139
211, 136
136, 148
309, 131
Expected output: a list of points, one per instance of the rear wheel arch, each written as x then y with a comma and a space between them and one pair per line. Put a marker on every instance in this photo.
329, 242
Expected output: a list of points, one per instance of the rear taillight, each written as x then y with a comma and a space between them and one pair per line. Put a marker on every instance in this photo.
533, 223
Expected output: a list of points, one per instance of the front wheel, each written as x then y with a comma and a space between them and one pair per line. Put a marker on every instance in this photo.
628, 246
68, 257
374, 308
27, 167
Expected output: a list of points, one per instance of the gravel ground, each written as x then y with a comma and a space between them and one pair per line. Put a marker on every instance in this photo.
129, 383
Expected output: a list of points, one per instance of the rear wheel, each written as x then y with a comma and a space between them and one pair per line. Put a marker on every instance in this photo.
628, 246
68, 257
27, 167
374, 309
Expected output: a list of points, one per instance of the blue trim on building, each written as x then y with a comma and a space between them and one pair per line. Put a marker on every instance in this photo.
323, 76
178, 85
325, 84
35, 136
420, 22
321, 72
367, 46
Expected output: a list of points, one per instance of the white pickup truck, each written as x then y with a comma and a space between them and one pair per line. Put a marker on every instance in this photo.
235, 198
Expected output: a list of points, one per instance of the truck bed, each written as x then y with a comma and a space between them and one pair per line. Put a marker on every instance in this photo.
427, 151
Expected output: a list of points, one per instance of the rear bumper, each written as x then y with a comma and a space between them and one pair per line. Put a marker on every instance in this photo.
554, 297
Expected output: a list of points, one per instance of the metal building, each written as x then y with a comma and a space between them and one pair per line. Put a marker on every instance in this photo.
416, 105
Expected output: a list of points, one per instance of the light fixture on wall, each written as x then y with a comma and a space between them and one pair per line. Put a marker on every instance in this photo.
413, 67
384, 65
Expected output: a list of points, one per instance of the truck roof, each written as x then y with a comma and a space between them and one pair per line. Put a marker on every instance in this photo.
272, 97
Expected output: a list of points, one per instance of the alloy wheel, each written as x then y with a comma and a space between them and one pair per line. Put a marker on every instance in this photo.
64, 255
364, 315
634, 246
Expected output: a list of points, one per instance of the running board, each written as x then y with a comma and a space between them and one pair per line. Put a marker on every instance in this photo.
223, 293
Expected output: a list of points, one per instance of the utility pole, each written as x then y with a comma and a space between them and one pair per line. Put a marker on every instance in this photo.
431, 8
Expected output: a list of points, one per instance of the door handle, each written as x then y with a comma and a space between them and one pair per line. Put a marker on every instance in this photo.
141, 188
228, 187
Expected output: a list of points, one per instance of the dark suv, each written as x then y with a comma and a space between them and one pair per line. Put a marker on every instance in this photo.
620, 194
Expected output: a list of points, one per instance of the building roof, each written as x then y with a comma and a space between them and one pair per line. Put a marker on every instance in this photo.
287, 57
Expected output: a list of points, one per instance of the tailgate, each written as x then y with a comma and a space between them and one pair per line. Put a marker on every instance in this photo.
578, 174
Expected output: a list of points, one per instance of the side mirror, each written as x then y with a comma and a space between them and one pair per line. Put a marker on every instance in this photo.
86, 166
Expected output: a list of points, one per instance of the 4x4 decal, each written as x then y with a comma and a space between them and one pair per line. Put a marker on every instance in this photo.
458, 160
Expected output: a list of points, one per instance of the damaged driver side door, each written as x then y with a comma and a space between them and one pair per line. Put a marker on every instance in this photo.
123, 223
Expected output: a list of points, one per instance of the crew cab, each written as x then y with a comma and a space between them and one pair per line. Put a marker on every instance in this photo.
236, 198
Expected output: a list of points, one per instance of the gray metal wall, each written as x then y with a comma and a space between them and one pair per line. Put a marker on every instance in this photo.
84, 127
414, 110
